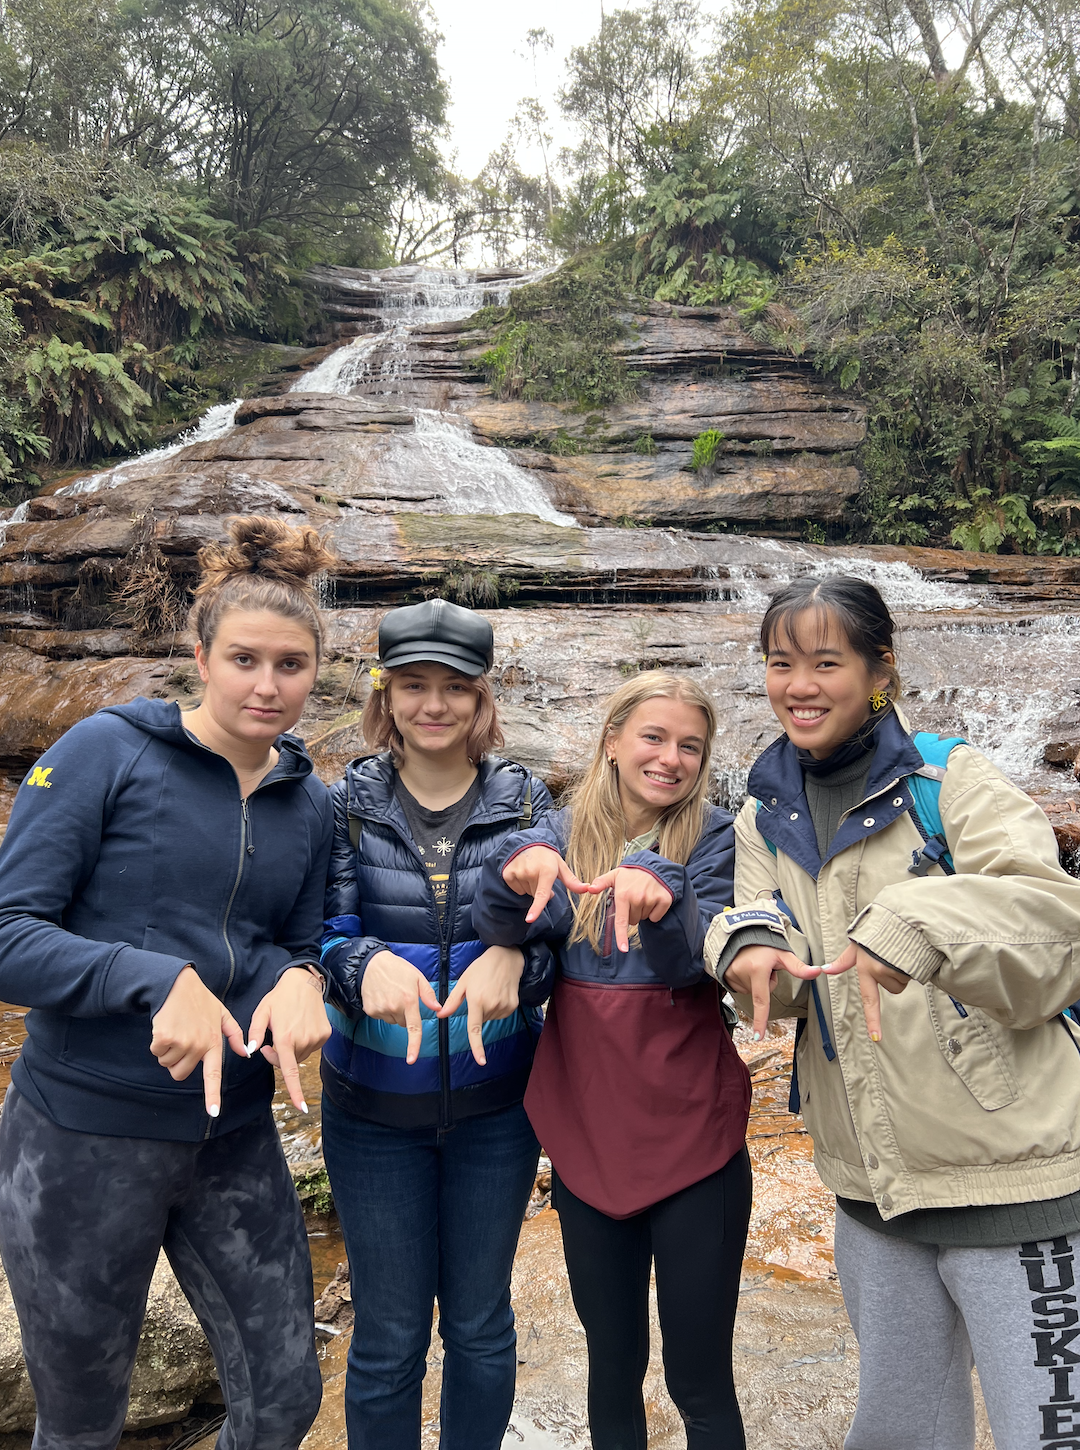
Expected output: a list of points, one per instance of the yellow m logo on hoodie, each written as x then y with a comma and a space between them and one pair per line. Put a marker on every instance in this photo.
40, 777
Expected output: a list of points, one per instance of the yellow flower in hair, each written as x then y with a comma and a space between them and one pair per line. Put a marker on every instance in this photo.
376, 673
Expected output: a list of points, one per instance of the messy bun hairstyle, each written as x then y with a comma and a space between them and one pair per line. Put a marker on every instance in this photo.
266, 564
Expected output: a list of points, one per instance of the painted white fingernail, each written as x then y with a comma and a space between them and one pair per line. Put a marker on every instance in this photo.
252, 1047
213, 1110
757, 1036
304, 1107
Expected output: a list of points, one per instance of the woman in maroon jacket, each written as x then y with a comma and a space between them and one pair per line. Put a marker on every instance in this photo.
637, 1092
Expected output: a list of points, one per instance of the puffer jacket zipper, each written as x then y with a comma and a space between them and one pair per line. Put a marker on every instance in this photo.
446, 1115
445, 932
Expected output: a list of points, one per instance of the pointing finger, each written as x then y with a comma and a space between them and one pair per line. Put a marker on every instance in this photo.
871, 1000
622, 922
290, 1075
541, 897
476, 1033
414, 1027
212, 1079
761, 991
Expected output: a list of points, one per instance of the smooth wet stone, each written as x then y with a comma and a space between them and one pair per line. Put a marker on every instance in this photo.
173, 1370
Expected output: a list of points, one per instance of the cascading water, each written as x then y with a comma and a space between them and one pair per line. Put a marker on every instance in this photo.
471, 479
216, 422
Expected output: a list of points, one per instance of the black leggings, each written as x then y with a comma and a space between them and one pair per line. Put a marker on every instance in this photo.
696, 1238
82, 1217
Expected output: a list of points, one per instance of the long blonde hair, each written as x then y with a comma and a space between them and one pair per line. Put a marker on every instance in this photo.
597, 825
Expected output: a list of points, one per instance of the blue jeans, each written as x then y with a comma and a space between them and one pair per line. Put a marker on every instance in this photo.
429, 1214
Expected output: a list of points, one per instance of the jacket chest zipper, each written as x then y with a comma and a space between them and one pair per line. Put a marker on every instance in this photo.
445, 1118
247, 848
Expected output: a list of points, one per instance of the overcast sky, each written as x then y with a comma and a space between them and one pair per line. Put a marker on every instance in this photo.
485, 58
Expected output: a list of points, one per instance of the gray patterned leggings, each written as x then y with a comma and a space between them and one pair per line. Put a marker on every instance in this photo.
82, 1218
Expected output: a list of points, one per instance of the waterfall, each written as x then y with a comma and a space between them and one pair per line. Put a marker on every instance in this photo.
471, 478
216, 422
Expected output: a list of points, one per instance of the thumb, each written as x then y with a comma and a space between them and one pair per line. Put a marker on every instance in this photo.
844, 962
455, 999
230, 1030
426, 993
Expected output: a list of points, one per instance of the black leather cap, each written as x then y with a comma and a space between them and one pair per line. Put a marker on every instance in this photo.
437, 631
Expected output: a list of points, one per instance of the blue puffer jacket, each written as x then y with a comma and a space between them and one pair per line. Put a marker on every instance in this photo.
379, 897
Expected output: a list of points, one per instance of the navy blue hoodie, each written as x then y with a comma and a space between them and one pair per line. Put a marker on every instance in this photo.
130, 853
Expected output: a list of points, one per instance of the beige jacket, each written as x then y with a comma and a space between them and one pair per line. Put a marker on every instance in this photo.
948, 1109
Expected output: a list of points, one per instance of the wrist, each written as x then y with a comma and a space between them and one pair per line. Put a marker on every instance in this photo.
311, 974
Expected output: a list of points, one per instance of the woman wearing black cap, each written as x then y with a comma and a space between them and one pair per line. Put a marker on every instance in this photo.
429, 1151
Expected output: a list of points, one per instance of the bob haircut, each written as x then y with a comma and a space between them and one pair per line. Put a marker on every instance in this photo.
381, 733
853, 605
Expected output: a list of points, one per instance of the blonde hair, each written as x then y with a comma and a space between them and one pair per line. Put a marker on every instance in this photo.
597, 825
267, 564
381, 733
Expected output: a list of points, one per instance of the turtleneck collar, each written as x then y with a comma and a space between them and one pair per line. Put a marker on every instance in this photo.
853, 751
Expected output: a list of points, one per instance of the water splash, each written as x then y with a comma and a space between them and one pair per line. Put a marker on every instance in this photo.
903, 588
215, 423
19, 515
343, 369
472, 478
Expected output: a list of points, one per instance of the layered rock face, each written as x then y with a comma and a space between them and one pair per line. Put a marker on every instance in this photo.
789, 443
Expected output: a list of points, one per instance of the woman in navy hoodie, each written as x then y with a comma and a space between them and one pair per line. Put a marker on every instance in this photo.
637, 1093
429, 1151
160, 891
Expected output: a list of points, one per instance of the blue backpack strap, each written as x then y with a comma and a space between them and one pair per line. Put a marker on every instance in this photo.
768, 843
925, 785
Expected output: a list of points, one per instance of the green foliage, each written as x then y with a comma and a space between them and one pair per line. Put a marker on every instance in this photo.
556, 340
646, 446
1059, 455
707, 448
693, 218
990, 521
83, 398
20, 442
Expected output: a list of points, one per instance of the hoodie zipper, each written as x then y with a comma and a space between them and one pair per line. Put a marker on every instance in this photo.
247, 848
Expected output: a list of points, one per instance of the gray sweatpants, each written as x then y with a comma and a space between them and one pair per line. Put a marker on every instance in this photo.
82, 1219
923, 1315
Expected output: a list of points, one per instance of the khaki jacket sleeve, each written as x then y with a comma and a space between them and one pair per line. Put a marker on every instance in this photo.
756, 880
1003, 933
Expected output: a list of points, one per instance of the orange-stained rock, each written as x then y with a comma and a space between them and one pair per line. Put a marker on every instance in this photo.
40, 698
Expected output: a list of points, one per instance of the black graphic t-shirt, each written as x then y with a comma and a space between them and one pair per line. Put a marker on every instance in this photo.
436, 835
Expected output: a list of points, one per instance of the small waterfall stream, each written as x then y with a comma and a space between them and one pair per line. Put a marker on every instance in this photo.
471, 478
